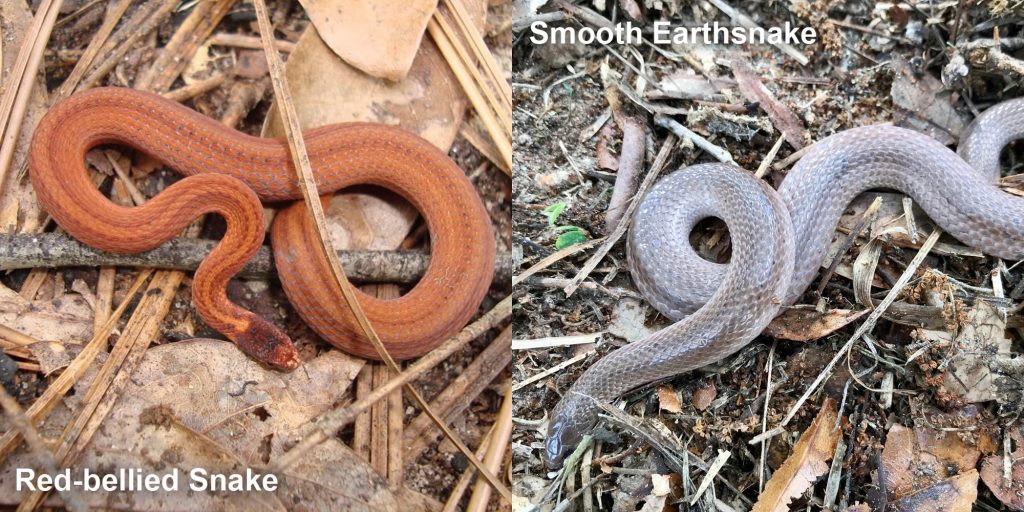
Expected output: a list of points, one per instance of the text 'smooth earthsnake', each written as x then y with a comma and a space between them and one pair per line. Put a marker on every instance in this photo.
779, 240
226, 170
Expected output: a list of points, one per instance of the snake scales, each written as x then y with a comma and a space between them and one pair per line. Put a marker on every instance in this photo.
779, 240
227, 173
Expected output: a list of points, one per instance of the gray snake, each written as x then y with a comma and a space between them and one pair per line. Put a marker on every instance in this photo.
779, 239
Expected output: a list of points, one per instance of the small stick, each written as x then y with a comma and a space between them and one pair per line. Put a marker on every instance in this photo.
761, 169
659, 162
54, 250
452, 503
631, 162
194, 89
458, 395
247, 42
681, 131
361, 426
745, 21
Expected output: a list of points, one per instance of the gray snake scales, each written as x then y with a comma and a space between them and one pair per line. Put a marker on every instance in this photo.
779, 239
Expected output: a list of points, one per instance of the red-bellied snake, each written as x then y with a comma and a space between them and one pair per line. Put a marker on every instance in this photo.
779, 240
227, 173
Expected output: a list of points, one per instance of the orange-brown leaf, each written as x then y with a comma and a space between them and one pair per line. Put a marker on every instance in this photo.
808, 461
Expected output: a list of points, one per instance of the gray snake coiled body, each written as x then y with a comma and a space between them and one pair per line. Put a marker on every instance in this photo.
779, 240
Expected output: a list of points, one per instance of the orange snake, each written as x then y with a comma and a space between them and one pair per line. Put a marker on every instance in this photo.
225, 172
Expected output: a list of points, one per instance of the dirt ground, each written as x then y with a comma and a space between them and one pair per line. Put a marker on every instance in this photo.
930, 421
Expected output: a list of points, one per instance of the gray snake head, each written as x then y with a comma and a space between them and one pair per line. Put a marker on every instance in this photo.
574, 416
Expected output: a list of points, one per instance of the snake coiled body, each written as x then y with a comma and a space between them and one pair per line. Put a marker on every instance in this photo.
779, 240
226, 170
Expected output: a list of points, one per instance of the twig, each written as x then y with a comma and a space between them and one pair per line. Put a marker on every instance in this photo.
770, 157
22, 79
553, 258
745, 21
866, 218
551, 371
631, 162
177, 53
659, 163
455, 496
54, 250
681, 131
249, 42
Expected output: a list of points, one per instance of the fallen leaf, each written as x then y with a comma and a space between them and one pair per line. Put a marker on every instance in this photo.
809, 324
781, 115
919, 458
378, 37
954, 494
65, 318
927, 104
181, 410
808, 461
1010, 493
668, 400
628, 320
977, 351
704, 395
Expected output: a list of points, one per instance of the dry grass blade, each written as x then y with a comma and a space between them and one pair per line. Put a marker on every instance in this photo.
55, 392
495, 453
293, 132
21, 79
480, 50
554, 258
808, 461
468, 77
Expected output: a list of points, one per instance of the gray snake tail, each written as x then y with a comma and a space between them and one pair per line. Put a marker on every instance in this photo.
779, 240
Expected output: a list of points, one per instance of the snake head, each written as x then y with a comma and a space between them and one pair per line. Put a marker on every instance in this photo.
574, 417
268, 345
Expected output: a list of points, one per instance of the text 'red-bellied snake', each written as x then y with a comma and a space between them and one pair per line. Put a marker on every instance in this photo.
228, 172
779, 240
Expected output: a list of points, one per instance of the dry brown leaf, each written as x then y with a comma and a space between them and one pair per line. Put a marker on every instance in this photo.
809, 324
977, 350
64, 318
808, 461
704, 395
782, 117
954, 494
915, 459
1010, 493
668, 400
927, 103
379, 37
182, 410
